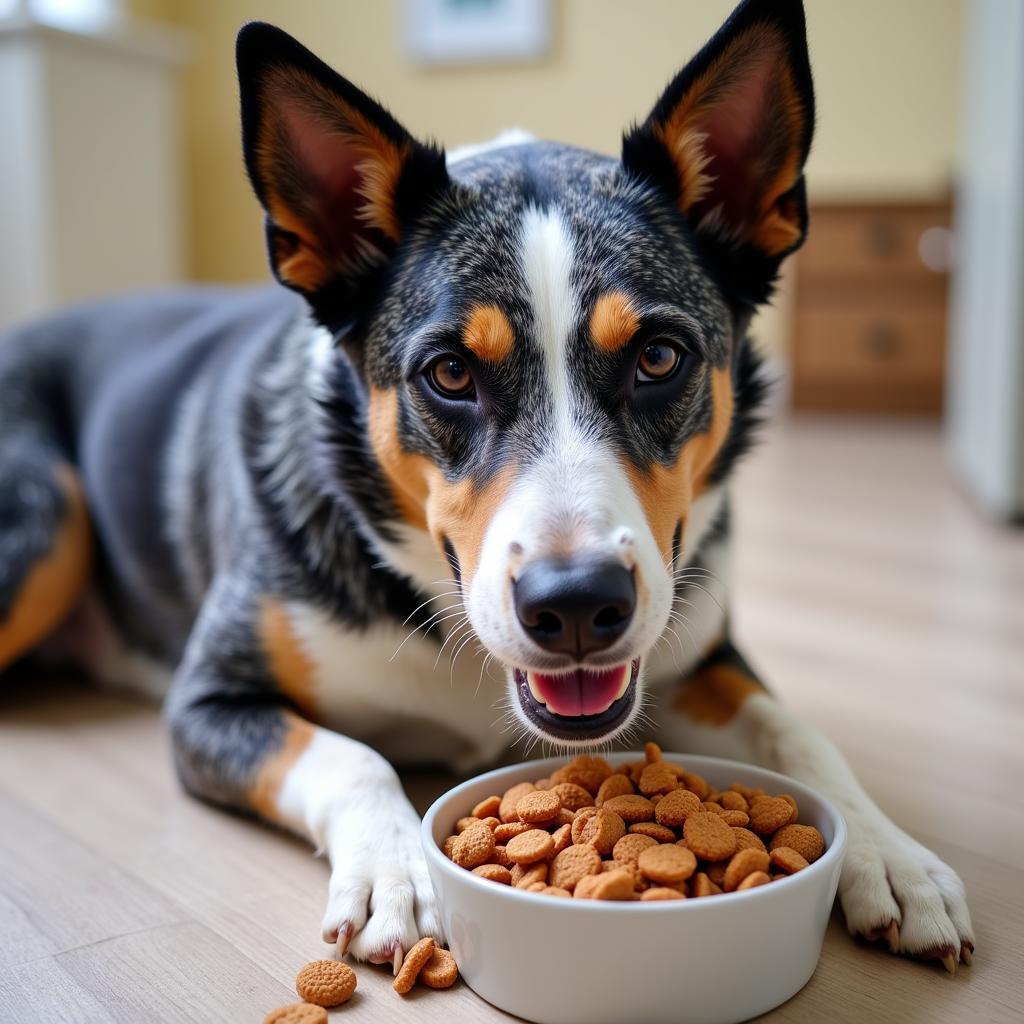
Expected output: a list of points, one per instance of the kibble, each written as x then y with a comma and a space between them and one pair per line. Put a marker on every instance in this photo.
649, 831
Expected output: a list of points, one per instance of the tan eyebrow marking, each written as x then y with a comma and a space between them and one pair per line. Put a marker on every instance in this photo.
488, 334
613, 322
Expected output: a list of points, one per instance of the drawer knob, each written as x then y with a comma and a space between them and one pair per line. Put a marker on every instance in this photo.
882, 341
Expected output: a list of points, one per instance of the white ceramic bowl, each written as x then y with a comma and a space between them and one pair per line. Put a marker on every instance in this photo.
699, 961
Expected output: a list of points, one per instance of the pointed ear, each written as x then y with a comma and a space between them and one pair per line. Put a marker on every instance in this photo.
339, 178
729, 137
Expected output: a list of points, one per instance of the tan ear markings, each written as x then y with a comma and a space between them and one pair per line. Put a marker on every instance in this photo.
378, 162
682, 136
714, 694
290, 665
613, 322
666, 492
265, 790
488, 333
53, 585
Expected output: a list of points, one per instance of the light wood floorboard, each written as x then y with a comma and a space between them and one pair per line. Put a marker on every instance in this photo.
869, 594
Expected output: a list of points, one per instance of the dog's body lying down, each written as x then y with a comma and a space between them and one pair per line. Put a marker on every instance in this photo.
498, 424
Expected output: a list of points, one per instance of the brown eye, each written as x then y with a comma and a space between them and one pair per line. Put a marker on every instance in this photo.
657, 361
451, 377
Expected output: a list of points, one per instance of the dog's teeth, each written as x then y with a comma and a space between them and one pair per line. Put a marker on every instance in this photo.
533, 689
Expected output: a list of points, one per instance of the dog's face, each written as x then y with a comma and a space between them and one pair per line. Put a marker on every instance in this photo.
547, 338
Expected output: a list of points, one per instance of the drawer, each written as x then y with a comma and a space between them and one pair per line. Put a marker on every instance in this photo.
864, 358
877, 242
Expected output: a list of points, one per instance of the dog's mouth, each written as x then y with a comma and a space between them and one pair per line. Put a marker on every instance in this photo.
583, 704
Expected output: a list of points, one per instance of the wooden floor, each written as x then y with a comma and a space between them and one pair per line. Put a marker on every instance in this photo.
871, 596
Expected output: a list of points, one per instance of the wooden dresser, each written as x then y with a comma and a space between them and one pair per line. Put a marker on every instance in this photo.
869, 319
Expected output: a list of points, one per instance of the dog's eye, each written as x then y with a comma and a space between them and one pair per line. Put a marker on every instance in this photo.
657, 361
450, 376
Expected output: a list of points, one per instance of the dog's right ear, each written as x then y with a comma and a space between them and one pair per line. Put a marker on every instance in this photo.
339, 178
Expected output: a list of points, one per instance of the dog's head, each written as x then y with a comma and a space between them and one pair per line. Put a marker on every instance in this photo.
545, 341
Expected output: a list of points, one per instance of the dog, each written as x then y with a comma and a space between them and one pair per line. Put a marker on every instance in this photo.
492, 413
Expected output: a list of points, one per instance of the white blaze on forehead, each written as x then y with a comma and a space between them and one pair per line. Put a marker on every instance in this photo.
546, 253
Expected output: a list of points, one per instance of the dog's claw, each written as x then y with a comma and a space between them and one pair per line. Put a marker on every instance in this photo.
396, 960
892, 936
949, 962
966, 953
344, 937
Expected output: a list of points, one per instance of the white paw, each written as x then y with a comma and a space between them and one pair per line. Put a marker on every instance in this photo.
380, 899
894, 888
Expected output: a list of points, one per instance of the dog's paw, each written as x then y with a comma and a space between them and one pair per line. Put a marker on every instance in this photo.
895, 889
380, 899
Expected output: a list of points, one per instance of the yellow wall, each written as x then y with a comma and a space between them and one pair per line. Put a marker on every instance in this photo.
887, 75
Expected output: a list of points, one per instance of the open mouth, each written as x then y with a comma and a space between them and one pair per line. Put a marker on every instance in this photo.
579, 705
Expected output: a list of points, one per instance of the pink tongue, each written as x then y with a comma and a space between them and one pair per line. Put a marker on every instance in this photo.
582, 692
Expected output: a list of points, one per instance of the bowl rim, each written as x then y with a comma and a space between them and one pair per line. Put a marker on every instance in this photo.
822, 865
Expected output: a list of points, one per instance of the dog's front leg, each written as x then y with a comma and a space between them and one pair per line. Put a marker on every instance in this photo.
238, 742
891, 887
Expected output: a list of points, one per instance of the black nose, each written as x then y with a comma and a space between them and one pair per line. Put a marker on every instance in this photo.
575, 606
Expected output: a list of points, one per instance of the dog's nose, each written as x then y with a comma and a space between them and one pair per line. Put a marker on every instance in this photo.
575, 606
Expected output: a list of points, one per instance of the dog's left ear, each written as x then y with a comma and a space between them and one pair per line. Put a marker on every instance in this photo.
339, 178
728, 140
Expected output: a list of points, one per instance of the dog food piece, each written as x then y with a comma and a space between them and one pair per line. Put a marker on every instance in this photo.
737, 819
667, 864
614, 885
326, 982
744, 863
507, 807
573, 797
585, 771
614, 785
661, 892
602, 830
572, 864
629, 847
730, 801
746, 840
561, 837
413, 963
440, 970
673, 808
586, 888
805, 839
696, 784
708, 836
588, 830
754, 879
494, 873
659, 833
530, 847
630, 808
768, 814
556, 890
788, 859
657, 777
507, 829
703, 886
500, 856
488, 808
474, 847
539, 806
297, 1013
525, 875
